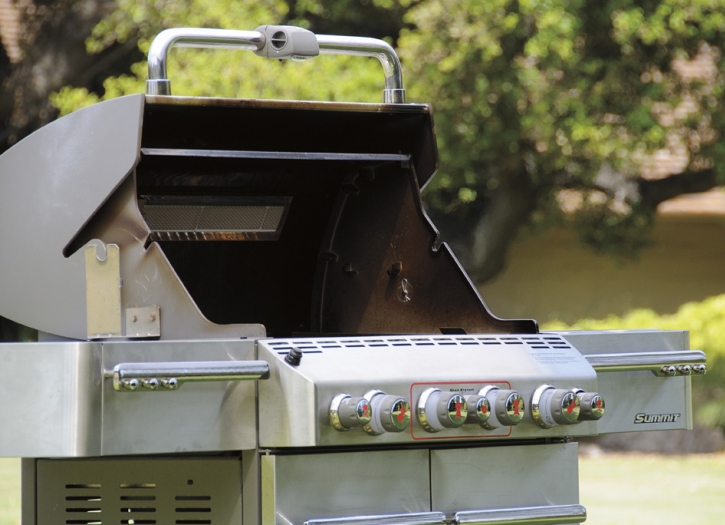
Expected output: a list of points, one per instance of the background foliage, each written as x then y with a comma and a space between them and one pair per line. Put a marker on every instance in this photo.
222, 73
706, 323
547, 111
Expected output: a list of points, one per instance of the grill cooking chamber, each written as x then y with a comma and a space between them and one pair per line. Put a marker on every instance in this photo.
245, 316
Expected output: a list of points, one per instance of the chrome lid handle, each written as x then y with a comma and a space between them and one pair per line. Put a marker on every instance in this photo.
279, 42
370, 47
158, 82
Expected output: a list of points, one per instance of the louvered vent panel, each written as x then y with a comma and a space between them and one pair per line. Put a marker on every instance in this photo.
139, 491
193, 510
83, 504
138, 503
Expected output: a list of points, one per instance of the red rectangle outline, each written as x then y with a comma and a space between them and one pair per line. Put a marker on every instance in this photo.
414, 411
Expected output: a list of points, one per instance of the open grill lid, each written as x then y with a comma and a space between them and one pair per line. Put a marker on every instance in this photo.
232, 218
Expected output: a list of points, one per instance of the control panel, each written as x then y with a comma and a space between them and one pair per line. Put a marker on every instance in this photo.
490, 411
347, 391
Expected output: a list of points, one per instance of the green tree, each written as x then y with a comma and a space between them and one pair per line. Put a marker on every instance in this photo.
42, 49
546, 110
536, 97
226, 73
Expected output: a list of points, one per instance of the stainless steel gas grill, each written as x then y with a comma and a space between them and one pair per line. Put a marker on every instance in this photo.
244, 317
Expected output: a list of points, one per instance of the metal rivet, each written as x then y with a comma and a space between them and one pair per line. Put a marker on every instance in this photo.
170, 384
130, 384
699, 369
668, 370
150, 384
685, 370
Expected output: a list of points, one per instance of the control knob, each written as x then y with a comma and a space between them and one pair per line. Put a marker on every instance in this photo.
438, 410
347, 412
554, 406
591, 405
479, 409
507, 407
390, 413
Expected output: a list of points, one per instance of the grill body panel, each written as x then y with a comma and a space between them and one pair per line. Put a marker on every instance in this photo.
139, 491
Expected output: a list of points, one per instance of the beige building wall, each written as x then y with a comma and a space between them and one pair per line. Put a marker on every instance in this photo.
553, 276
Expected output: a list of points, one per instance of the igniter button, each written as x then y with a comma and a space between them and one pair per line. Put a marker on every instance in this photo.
347, 412
479, 409
437, 410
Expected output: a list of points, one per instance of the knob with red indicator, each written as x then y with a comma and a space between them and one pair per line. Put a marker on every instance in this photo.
479, 409
390, 413
347, 412
507, 407
592, 405
438, 410
554, 406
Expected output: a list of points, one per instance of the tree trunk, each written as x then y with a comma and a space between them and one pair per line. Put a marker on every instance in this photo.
51, 37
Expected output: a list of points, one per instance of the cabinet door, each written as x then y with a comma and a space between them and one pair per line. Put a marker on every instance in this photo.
504, 477
297, 488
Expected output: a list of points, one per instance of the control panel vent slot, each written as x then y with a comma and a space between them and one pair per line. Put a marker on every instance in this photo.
282, 347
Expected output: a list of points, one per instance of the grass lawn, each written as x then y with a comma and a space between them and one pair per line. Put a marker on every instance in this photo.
9, 491
616, 489
653, 490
